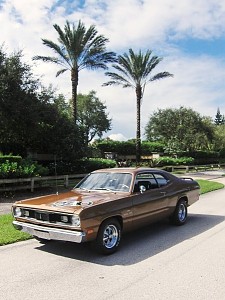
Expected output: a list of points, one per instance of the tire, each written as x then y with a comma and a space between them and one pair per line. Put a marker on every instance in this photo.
180, 214
108, 238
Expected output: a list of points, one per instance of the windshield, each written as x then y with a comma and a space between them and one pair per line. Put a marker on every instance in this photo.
106, 181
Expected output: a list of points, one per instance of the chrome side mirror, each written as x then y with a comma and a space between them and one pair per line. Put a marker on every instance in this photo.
142, 189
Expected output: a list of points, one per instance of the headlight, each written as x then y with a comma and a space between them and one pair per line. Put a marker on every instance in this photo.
75, 220
17, 212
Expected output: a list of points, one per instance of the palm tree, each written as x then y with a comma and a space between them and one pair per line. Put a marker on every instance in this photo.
78, 49
134, 70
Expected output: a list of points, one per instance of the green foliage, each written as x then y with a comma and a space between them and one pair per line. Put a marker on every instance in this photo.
77, 48
98, 163
41, 121
180, 129
207, 186
91, 116
128, 147
222, 153
219, 137
150, 147
171, 161
22, 169
10, 158
80, 166
219, 118
134, 70
122, 148
8, 234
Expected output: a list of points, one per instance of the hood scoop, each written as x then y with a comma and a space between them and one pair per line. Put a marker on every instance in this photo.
72, 202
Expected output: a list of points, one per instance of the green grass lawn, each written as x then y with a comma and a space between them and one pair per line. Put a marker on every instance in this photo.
209, 186
9, 235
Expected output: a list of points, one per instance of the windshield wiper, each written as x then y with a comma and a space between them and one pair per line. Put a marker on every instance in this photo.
82, 188
103, 189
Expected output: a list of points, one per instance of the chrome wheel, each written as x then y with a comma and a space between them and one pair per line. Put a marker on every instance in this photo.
182, 212
179, 216
110, 236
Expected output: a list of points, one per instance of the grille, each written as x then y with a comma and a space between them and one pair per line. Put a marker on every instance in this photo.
47, 217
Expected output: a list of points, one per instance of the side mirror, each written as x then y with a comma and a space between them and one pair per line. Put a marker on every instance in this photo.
142, 189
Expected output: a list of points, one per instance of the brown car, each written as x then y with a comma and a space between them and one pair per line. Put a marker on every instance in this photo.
105, 203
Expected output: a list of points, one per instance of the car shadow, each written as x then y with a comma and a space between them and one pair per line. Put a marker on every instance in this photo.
138, 245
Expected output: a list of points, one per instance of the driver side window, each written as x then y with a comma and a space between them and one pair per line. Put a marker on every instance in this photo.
147, 181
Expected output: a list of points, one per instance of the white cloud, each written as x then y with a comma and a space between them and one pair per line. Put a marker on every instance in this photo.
117, 137
198, 80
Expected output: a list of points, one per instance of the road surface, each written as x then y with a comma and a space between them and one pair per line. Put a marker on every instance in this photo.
158, 262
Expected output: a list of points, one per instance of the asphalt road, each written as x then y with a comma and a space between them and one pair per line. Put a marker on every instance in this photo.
158, 262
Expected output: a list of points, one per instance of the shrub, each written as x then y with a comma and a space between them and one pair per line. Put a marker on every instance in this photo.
202, 157
128, 147
21, 169
99, 163
80, 166
10, 158
171, 161
222, 153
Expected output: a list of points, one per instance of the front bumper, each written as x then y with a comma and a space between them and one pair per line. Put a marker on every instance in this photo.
51, 233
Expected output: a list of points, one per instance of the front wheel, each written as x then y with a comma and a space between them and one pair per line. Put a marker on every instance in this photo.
180, 215
108, 238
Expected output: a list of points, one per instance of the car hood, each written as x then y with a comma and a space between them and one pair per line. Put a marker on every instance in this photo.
73, 201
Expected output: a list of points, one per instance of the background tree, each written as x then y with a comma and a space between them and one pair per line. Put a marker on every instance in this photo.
78, 48
219, 137
92, 117
18, 102
134, 70
219, 118
32, 117
180, 129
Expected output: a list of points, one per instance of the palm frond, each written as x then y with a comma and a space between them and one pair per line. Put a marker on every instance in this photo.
51, 59
61, 72
117, 79
134, 69
160, 76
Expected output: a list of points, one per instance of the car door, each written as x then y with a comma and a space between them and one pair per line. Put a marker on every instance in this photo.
151, 204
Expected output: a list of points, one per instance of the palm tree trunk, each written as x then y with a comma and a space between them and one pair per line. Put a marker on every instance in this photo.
138, 132
74, 80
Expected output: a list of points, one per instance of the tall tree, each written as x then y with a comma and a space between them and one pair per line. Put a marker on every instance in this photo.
134, 70
92, 117
219, 118
77, 48
181, 129
31, 116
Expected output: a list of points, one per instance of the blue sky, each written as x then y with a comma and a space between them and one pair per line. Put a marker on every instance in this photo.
188, 34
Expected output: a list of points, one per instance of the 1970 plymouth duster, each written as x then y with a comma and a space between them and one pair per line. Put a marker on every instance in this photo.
104, 204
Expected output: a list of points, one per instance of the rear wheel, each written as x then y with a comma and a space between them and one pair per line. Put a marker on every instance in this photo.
108, 238
180, 215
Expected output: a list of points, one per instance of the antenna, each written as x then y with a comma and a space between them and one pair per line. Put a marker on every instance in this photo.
56, 176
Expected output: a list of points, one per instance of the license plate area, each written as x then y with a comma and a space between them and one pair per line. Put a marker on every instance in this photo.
42, 216
42, 234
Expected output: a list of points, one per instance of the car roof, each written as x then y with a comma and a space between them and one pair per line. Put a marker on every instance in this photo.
133, 170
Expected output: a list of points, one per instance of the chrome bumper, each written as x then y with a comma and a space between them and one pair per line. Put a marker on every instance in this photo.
50, 233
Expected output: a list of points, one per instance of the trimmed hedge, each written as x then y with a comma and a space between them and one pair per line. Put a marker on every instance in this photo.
10, 158
171, 161
128, 147
80, 166
20, 168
